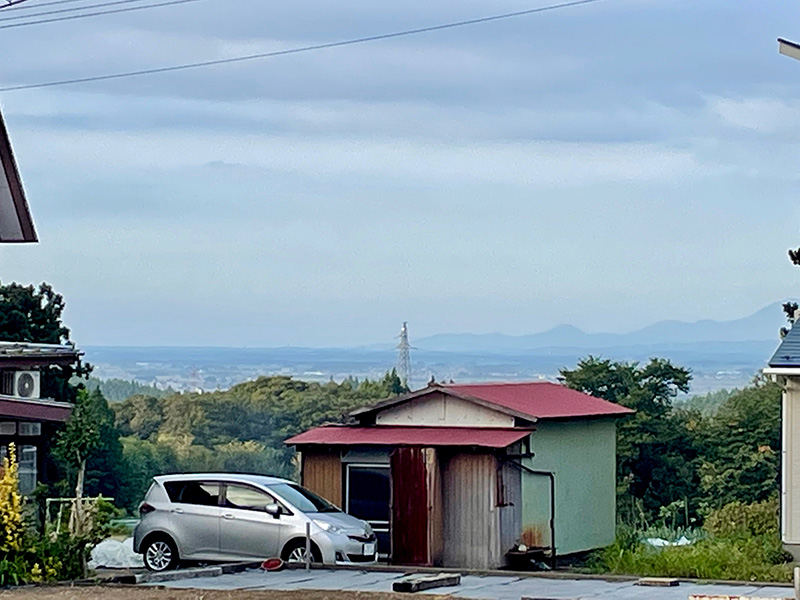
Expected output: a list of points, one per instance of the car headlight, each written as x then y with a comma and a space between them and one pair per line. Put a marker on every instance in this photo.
368, 529
327, 527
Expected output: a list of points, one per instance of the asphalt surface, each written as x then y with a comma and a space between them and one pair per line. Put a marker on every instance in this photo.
472, 586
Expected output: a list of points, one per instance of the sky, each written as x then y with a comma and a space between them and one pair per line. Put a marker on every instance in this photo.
607, 165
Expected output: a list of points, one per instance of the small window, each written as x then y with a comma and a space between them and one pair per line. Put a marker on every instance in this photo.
30, 429
247, 498
193, 492
28, 472
8, 428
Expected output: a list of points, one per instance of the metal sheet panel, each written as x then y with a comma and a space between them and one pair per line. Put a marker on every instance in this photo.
788, 353
322, 474
435, 509
510, 506
471, 517
409, 507
400, 435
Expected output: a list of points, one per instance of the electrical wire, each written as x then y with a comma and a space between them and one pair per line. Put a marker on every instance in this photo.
66, 10
40, 4
96, 14
11, 3
301, 49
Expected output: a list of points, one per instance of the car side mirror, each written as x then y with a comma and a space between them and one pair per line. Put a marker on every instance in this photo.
273, 509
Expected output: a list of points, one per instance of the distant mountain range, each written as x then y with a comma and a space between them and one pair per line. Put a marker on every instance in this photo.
762, 326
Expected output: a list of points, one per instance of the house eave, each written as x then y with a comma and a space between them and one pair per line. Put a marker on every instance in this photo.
786, 371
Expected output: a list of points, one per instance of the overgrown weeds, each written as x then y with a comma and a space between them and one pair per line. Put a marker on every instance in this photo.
738, 542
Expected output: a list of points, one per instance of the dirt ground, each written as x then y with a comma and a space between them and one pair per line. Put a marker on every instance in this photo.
155, 593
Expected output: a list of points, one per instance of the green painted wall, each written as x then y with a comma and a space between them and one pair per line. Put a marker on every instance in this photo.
582, 455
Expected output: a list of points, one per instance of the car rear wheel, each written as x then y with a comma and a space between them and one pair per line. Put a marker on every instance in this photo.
295, 552
160, 554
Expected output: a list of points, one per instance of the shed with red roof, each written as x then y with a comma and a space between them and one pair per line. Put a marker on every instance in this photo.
473, 475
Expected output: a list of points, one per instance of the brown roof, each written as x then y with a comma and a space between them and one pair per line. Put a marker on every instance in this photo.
19, 355
16, 224
35, 410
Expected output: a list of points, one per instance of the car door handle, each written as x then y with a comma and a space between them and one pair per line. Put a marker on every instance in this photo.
177, 511
227, 516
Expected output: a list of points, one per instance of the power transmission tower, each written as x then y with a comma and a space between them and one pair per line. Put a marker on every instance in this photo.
404, 356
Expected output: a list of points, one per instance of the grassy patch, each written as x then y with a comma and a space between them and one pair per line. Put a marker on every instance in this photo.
739, 542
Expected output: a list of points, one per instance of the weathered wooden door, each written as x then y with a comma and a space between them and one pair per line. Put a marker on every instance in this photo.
409, 507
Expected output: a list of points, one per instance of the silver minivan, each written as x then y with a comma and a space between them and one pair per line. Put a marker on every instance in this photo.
231, 517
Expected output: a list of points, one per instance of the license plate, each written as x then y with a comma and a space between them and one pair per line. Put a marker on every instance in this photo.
369, 549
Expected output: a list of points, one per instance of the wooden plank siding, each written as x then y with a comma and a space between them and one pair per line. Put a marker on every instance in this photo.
322, 474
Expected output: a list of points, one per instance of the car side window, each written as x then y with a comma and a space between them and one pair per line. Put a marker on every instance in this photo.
203, 493
246, 498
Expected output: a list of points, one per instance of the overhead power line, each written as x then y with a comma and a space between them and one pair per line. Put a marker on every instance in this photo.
298, 50
96, 14
66, 10
9, 3
16, 7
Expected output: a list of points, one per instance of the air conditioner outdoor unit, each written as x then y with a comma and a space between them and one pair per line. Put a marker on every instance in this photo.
27, 385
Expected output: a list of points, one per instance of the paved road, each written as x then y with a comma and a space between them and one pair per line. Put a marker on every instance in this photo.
472, 586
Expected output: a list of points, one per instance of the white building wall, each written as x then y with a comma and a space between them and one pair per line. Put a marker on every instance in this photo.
790, 485
441, 409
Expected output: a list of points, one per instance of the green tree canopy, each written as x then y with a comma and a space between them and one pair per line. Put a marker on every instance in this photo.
241, 429
29, 314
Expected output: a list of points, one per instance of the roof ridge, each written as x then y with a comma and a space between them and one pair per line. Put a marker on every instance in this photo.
499, 383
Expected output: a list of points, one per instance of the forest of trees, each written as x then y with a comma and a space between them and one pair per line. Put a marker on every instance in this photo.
241, 429
676, 460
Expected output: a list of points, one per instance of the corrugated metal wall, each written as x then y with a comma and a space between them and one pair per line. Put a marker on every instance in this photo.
510, 491
322, 474
435, 509
471, 518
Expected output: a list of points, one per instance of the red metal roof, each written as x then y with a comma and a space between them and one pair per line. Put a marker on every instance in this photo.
541, 400
399, 435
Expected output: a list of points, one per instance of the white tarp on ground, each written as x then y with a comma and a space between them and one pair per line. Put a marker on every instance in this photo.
660, 542
113, 554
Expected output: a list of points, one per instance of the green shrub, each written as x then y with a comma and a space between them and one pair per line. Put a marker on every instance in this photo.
739, 520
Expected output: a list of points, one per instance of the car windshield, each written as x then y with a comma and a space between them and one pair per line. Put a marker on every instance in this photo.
302, 499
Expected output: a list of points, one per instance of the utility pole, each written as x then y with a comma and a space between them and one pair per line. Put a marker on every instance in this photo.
404, 356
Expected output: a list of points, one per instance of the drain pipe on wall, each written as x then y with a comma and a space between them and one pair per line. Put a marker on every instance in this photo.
552, 477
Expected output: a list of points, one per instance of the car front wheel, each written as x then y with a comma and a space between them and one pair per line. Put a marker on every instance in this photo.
295, 552
160, 554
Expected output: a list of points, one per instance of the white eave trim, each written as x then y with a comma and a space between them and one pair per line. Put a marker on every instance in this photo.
782, 371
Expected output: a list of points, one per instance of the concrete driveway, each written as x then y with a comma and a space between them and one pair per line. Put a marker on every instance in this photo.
472, 586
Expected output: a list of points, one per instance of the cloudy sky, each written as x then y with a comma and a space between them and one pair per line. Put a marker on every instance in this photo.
606, 165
